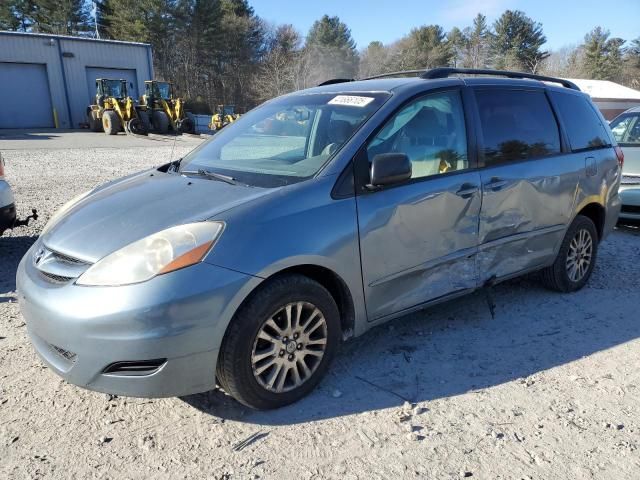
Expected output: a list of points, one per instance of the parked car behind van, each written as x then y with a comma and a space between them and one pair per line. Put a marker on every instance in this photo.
249, 261
626, 130
8, 218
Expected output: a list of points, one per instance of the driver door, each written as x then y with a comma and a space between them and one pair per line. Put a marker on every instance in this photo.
418, 239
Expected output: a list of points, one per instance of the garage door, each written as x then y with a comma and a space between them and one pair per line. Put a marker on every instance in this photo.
25, 99
114, 74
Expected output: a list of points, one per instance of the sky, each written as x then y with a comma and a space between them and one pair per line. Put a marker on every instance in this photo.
565, 22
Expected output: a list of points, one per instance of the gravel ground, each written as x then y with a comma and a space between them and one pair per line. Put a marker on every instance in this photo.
547, 389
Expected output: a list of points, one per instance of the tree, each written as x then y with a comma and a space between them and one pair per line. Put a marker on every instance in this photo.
16, 15
564, 62
424, 47
374, 60
517, 42
63, 17
457, 42
332, 50
602, 55
477, 43
279, 72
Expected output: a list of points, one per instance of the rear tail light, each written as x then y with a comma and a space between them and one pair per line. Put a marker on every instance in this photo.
620, 155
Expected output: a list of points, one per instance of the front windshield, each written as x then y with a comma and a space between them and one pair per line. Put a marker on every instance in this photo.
114, 88
285, 140
162, 90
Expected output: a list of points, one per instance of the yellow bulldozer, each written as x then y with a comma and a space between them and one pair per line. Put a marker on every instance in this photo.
225, 114
166, 108
115, 110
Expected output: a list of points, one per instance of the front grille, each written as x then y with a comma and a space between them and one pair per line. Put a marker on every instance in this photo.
55, 278
66, 259
630, 180
57, 267
630, 209
70, 356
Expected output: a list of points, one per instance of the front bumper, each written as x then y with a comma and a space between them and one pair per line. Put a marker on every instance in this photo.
630, 197
176, 320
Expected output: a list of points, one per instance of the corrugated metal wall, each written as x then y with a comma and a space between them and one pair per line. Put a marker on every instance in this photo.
67, 59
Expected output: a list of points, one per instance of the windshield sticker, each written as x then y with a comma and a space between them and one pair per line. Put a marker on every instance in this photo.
351, 100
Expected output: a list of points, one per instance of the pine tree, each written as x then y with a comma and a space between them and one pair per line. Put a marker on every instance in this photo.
16, 15
517, 42
457, 42
425, 47
602, 55
478, 38
332, 50
63, 17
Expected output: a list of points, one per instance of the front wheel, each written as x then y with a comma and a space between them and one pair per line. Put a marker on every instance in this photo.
280, 343
576, 258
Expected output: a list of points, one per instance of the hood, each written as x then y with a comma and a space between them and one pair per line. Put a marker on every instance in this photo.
130, 209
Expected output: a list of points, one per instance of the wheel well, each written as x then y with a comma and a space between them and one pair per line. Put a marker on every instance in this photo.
596, 213
336, 287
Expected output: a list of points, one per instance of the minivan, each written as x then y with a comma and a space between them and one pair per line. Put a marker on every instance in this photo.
313, 218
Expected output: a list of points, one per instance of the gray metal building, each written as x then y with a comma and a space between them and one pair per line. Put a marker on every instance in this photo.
48, 81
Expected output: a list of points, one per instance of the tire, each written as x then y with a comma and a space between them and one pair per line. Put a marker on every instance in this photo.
245, 366
136, 126
160, 121
111, 122
95, 124
143, 115
581, 242
186, 126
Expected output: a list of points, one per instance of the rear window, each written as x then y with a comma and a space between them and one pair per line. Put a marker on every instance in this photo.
516, 125
581, 121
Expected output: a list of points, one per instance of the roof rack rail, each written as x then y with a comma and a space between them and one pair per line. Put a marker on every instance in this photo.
331, 81
394, 74
445, 72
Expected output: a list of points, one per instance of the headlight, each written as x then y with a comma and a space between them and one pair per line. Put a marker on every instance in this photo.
162, 252
62, 210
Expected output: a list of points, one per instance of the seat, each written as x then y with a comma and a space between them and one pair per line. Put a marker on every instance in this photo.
338, 133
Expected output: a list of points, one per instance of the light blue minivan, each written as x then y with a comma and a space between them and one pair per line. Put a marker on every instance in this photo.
310, 220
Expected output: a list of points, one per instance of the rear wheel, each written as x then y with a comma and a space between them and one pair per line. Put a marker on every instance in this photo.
144, 118
95, 124
136, 126
576, 258
111, 122
160, 121
280, 343
186, 126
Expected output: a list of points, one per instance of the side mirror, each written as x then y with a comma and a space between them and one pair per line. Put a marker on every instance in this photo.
389, 169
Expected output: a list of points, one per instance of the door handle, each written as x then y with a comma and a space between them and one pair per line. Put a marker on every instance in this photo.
495, 184
467, 190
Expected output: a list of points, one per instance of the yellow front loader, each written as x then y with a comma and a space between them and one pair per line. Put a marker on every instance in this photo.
115, 110
167, 109
225, 114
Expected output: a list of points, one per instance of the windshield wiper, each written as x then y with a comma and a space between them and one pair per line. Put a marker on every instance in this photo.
218, 176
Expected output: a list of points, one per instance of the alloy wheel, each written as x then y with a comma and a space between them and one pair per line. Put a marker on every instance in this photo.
580, 255
289, 347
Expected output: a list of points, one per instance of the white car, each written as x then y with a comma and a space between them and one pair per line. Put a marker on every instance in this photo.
7, 205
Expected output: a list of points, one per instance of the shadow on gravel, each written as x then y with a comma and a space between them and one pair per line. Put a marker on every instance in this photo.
457, 347
12, 249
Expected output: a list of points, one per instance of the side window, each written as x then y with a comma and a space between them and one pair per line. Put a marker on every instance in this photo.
620, 125
633, 134
430, 131
583, 124
516, 125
